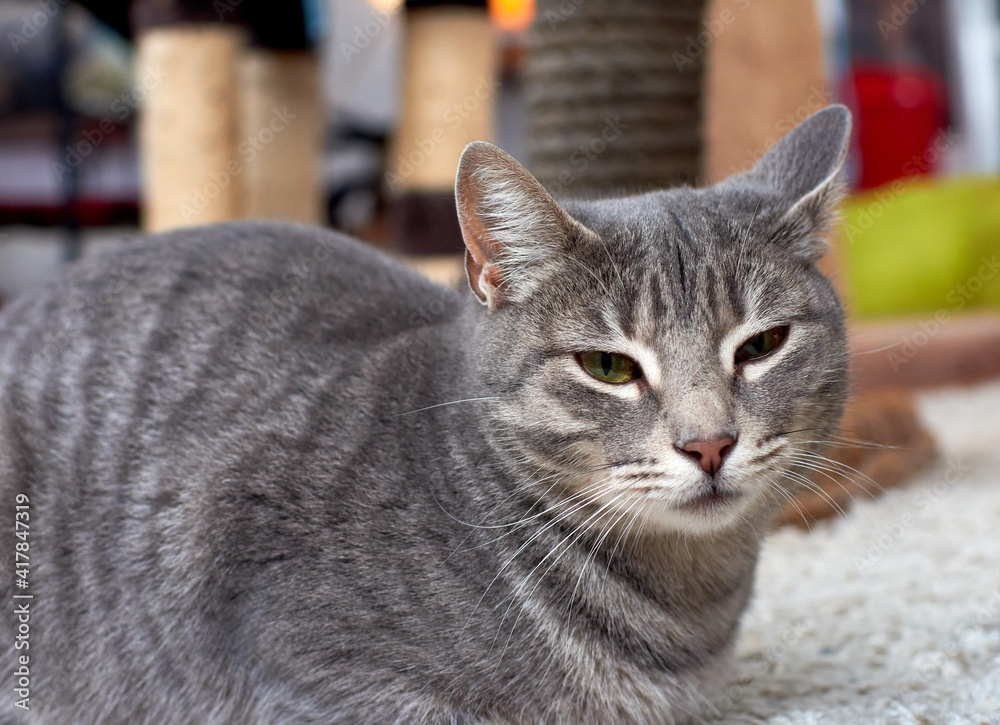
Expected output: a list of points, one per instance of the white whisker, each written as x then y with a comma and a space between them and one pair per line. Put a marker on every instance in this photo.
450, 402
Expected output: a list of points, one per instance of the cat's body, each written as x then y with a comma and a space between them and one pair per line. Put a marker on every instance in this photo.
255, 499
248, 522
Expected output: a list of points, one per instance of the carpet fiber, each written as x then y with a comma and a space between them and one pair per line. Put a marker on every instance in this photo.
890, 616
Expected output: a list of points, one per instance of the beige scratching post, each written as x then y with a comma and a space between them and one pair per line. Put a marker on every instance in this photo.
232, 128
280, 135
448, 98
187, 128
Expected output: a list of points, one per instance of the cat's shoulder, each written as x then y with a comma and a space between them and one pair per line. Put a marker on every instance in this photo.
267, 274
269, 259
282, 251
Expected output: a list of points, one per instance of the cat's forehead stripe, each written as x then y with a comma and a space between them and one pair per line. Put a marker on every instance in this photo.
711, 280
705, 296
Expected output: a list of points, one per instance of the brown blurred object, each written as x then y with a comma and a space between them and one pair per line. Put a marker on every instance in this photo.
912, 354
764, 75
882, 444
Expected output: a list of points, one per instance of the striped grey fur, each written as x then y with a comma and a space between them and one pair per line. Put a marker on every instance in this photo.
276, 477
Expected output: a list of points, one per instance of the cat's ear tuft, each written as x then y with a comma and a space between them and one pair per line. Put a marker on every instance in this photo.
509, 222
803, 175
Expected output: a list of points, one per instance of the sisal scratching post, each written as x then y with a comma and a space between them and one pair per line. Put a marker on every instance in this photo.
614, 97
187, 128
448, 98
280, 135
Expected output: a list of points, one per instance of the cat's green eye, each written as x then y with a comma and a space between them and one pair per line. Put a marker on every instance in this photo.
609, 367
763, 344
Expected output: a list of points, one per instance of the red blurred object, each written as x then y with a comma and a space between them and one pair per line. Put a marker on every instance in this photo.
900, 110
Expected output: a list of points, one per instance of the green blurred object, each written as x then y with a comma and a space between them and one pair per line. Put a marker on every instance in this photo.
914, 247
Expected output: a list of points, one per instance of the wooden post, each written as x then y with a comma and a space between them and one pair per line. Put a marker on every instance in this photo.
764, 76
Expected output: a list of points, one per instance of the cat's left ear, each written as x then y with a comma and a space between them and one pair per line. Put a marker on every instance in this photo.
510, 224
802, 175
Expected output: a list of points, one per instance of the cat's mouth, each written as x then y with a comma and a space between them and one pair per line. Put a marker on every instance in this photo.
698, 509
710, 500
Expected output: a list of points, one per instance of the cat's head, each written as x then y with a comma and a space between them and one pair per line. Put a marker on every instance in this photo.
674, 356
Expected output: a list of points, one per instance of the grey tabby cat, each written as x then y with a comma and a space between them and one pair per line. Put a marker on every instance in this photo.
273, 476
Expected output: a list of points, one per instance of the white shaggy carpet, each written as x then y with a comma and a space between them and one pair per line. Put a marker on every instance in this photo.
892, 615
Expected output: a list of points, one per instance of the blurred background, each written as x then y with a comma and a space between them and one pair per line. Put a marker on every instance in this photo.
154, 114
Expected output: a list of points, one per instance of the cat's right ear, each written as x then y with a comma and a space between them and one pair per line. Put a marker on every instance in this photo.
510, 224
802, 178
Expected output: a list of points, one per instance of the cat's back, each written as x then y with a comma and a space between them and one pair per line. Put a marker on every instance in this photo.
241, 276
212, 300
205, 327
181, 336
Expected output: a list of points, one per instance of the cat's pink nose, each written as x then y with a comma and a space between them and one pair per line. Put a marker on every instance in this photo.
709, 454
